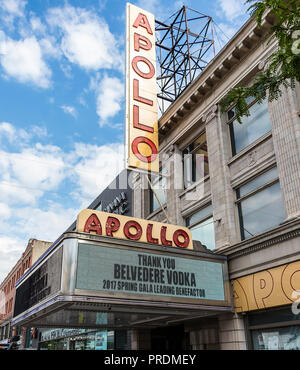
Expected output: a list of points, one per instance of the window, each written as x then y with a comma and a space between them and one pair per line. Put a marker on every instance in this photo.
252, 127
275, 330
195, 161
159, 187
260, 204
201, 225
285, 338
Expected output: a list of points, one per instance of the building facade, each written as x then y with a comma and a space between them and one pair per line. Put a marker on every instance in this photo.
237, 187
35, 248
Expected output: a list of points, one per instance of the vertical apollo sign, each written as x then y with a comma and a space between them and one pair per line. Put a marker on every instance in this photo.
141, 91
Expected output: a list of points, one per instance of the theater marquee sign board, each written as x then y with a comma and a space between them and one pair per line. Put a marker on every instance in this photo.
129, 273
130, 228
141, 91
148, 274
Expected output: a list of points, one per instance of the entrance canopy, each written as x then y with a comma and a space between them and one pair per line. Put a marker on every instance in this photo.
95, 281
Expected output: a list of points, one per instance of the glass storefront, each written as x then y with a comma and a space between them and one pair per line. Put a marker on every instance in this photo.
286, 338
275, 330
89, 340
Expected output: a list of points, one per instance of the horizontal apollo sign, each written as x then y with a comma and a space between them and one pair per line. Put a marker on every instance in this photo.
129, 228
141, 91
268, 288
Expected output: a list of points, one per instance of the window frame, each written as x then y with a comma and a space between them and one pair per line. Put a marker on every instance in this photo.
239, 199
202, 219
192, 152
205, 218
229, 122
152, 195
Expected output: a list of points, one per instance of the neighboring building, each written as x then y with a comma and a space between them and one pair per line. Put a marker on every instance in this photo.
35, 248
243, 200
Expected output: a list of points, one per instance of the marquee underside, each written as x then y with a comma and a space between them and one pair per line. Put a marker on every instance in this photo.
90, 312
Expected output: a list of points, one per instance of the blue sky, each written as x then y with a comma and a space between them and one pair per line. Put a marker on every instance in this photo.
62, 107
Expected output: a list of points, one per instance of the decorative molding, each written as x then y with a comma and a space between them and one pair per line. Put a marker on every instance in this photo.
212, 113
198, 204
252, 158
168, 153
287, 230
262, 164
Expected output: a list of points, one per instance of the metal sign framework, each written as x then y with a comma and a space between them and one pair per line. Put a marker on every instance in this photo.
185, 47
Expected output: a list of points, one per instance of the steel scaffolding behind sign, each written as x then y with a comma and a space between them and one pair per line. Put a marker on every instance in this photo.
185, 45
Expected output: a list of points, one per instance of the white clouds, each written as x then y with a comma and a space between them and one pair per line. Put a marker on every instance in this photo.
83, 39
13, 7
47, 224
27, 175
49, 48
39, 131
69, 35
11, 11
69, 110
97, 167
10, 134
36, 25
20, 137
7, 130
86, 38
23, 60
232, 8
15, 194
30, 176
110, 94
46, 168
5, 211
11, 249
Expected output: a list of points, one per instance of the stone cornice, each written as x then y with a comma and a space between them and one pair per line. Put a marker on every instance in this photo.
241, 45
287, 230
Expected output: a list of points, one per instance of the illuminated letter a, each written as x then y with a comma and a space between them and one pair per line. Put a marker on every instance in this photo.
93, 224
142, 21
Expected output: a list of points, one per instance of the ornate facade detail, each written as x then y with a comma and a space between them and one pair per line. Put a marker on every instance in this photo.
211, 113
